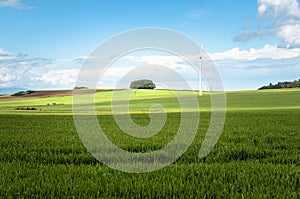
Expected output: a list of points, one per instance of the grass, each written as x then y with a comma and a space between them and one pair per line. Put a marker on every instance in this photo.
257, 155
236, 101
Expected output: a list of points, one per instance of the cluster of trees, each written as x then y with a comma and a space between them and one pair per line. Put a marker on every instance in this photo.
142, 84
293, 84
21, 93
80, 87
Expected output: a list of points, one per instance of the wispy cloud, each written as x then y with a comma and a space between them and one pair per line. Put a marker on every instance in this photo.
248, 35
283, 21
197, 14
15, 4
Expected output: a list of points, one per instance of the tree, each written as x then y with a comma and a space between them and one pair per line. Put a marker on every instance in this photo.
142, 84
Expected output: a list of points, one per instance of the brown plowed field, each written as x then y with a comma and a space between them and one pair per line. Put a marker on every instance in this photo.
48, 93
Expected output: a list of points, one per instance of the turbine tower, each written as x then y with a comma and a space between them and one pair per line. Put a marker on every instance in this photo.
200, 76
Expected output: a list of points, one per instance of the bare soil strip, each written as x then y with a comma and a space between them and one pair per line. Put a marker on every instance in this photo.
48, 93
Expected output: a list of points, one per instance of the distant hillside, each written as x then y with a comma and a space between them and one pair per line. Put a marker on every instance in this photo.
293, 84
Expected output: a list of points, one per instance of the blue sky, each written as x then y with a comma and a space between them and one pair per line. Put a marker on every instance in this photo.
252, 43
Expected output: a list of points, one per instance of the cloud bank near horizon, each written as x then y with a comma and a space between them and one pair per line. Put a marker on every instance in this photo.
21, 70
261, 66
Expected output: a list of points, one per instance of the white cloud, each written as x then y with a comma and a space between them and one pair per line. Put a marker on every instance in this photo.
261, 9
14, 4
267, 51
286, 19
290, 33
278, 8
62, 78
282, 21
20, 70
6, 77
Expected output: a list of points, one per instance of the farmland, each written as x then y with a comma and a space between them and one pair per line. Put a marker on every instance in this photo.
257, 155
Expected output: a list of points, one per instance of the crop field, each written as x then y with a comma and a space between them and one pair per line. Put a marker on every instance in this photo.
257, 155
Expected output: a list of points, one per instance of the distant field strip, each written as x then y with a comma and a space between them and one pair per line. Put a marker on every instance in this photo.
142, 100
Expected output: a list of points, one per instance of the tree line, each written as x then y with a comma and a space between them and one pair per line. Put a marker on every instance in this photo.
293, 84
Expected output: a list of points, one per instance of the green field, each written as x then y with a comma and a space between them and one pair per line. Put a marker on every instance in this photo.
257, 155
